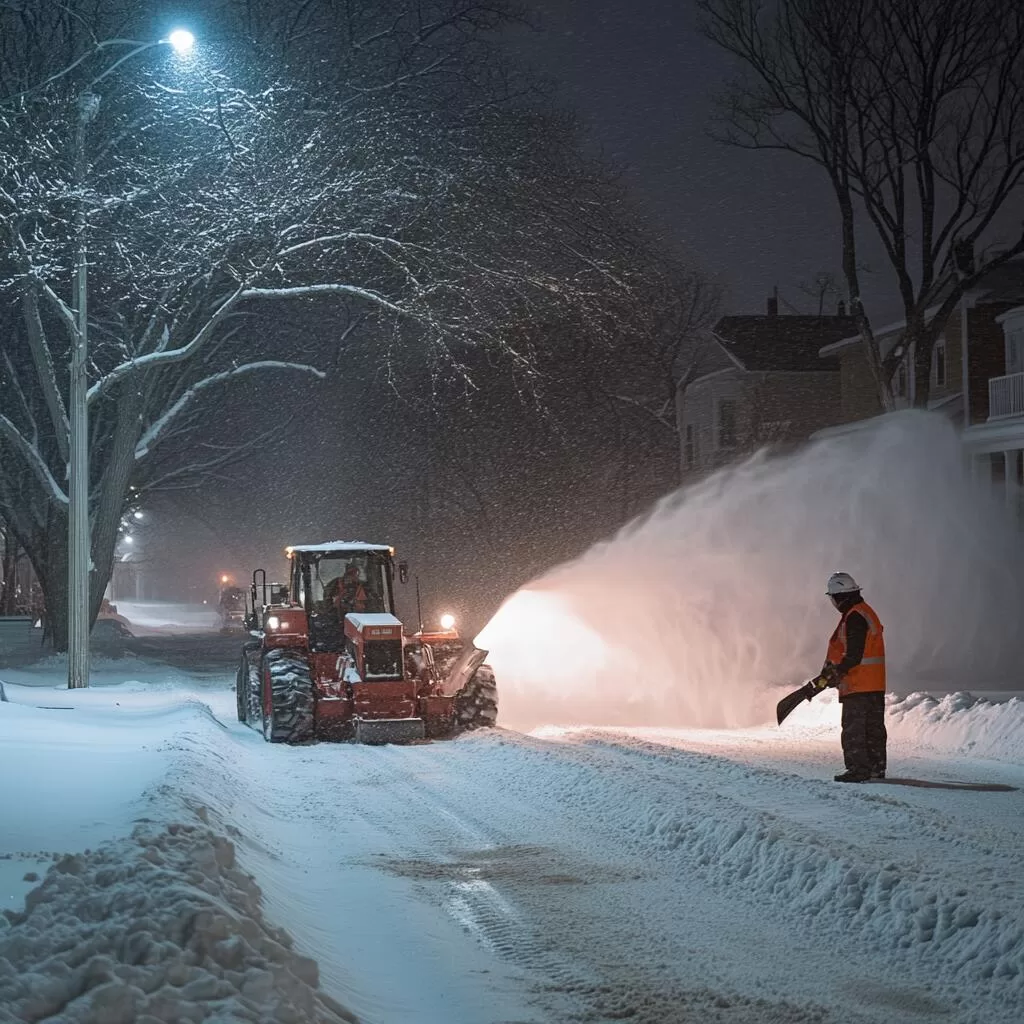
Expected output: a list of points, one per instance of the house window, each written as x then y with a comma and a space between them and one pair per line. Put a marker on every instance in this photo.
726, 423
939, 363
689, 447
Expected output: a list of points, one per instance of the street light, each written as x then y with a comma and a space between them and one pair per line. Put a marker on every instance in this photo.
181, 41
79, 533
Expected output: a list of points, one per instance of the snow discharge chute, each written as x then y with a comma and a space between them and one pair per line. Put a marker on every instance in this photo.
693, 614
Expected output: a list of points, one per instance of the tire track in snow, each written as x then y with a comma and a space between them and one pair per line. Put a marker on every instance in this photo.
528, 921
426, 832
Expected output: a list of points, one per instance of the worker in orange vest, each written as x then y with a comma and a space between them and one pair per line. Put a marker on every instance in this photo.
855, 664
351, 594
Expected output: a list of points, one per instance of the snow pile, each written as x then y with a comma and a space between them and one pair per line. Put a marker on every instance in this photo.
691, 614
959, 723
159, 927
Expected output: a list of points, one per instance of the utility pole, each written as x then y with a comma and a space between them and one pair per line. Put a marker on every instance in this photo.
79, 533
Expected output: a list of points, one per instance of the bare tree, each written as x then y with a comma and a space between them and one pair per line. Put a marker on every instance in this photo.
914, 110
822, 287
377, 159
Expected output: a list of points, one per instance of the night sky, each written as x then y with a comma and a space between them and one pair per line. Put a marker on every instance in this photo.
643, 79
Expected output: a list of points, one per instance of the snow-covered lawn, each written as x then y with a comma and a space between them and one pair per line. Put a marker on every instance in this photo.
582, 874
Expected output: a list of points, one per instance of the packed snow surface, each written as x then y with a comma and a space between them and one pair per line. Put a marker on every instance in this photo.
695, 612
186, 870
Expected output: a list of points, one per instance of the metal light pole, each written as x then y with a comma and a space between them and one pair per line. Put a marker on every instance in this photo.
79, 532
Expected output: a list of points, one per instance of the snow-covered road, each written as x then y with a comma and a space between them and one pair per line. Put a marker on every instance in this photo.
585, 874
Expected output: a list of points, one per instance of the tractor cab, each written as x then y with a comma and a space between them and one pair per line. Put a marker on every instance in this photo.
330, 582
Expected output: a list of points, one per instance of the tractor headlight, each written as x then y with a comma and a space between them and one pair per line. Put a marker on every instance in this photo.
273, 622
447, 621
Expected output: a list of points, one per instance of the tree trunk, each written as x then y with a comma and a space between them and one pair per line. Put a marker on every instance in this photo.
923, 345
49, 561
51, 569
10, 569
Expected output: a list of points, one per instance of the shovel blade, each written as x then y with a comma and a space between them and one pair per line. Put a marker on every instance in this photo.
791, 700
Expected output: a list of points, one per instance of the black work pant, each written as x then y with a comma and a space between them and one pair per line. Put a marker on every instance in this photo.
864, 732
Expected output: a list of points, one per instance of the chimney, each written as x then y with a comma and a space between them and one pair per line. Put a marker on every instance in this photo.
773, 302
841, 308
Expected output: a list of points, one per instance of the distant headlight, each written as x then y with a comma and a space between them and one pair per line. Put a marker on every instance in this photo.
447, 621
273, 622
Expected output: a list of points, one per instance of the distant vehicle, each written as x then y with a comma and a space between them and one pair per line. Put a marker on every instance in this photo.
329, 659
232, 609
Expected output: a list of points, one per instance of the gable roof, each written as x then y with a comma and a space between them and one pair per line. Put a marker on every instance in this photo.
780, 343
1003, 284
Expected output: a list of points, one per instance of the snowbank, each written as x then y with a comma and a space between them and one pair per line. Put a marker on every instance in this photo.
162, 926
959, 723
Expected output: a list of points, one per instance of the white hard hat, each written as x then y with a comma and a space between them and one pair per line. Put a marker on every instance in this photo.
841, 583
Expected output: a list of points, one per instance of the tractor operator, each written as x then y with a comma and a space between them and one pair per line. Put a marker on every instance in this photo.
351, 594
855, 664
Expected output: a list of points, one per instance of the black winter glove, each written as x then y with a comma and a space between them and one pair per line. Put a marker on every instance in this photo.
830, 674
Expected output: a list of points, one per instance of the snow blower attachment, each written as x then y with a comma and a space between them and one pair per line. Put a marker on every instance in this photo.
328, 658
806, 692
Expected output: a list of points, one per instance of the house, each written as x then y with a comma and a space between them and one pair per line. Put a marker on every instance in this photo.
994, 437
980, 310
766, 386
977, 376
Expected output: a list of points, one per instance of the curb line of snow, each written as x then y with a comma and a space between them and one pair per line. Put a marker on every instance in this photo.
159, 926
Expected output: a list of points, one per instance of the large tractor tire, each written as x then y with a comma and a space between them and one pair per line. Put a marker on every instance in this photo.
476, 705
247, 684
288, 713
242, 689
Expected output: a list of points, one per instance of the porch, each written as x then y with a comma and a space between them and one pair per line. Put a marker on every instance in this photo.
1006, 397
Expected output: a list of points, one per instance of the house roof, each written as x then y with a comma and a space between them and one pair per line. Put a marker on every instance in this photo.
1004, 284
780, 343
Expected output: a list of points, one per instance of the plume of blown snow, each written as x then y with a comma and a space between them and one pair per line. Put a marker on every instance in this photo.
696, 613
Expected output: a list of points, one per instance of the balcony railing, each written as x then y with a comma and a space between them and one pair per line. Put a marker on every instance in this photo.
1006, 396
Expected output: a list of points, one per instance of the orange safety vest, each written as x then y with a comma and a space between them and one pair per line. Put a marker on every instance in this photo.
352, 597
869, 675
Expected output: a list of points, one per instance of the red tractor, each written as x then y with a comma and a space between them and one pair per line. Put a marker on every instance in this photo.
330, 660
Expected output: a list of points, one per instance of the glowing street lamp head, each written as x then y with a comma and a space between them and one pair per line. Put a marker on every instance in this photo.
224, 577
447, 621
182, 41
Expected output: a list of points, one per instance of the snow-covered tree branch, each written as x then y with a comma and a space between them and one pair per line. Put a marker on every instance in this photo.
157, 429
386, 163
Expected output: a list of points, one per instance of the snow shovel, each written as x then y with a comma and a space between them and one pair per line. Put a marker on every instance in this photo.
790, 701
